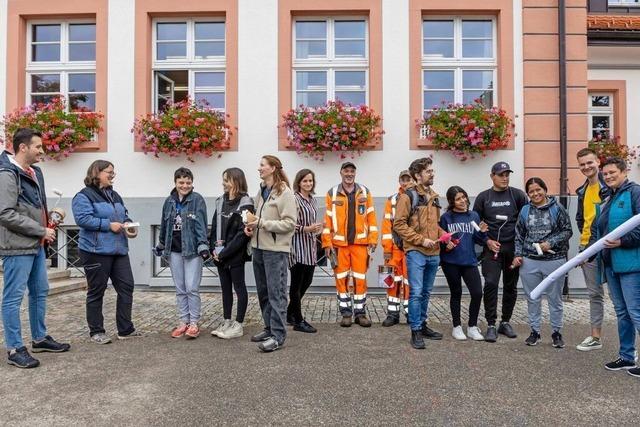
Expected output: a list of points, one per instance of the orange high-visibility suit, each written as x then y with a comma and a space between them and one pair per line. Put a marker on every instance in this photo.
397, 261
351, 256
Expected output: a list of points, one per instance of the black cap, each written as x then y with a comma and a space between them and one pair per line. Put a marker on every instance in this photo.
348, 165
500, 167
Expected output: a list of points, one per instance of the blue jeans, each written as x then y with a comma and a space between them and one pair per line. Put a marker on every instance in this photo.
422, 273
624, 289
22, 272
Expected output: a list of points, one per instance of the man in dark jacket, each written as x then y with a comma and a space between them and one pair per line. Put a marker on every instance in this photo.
590, 195
23, 235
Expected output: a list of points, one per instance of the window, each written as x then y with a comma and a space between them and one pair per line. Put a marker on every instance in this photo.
330, 61
189, 62
62, 62
601, 115
458, 61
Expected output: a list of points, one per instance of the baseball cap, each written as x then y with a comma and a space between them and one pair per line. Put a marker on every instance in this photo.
347, 165
500, 167
404, 173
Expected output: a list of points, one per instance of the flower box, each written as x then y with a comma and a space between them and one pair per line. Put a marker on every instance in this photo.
62, 131
183, 128
335, 127
468, 130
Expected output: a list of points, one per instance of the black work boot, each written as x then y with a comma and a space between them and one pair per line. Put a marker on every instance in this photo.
417, 341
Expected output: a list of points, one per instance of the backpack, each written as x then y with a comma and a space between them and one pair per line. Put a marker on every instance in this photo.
244, 201
417, 200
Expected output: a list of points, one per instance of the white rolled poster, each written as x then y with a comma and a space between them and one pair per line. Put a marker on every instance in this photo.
583, 256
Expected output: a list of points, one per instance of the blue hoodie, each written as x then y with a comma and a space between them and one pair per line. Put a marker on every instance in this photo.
460, 224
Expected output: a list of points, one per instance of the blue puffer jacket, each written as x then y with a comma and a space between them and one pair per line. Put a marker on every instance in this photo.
194, 224
94, 210
622, 204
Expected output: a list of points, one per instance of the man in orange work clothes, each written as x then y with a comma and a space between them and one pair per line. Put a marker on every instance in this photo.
350, 236
394, 256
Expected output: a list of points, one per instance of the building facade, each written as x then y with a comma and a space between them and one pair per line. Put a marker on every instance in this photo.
255, 59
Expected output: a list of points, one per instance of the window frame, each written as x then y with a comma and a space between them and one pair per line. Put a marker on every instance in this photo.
64, 67
601, 111
191, 63
457, 63
330, 63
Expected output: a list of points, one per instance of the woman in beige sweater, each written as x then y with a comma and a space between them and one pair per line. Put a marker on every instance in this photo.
271, 230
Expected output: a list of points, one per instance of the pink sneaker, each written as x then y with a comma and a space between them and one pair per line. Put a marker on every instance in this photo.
179, 330
192, 331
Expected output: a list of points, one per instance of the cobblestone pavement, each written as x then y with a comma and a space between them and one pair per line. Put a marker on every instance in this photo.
156, 312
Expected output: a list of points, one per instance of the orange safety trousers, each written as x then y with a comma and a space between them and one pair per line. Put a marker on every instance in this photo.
352, 259
400, 282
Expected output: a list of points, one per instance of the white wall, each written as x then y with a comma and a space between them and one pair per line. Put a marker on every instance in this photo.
140, 175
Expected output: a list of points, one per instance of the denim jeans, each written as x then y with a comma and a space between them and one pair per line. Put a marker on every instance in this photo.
22, 272
270, 269
624, 289
187, 275
422, 273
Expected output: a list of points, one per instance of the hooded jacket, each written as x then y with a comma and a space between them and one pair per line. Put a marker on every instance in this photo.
277, 218
541, 226
23, 209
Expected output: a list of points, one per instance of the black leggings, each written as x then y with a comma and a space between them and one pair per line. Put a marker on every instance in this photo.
301, 278
455, 274
233, 277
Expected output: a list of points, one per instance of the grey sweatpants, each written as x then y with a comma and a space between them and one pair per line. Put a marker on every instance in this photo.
187, 274
271, 270
532, 272
596, 293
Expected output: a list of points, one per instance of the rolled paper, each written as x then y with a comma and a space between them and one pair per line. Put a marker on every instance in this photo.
584, 256
502, 217
538, 249
475, 226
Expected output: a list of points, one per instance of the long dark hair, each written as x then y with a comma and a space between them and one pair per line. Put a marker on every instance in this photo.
452, 192
237, 178
93, 179
300, 176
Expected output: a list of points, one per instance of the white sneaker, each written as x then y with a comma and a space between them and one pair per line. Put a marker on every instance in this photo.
474, 333
458, 334
221, 327
589, 343
234, 331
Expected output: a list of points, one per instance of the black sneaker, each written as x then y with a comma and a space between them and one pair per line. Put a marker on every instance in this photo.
634, 372
556, 336
619, 364
22, 359
491, 335
261, 336
290, 320
304, 326
534, 339
430, 334
506, 329
50, 345
390, 321
416, 340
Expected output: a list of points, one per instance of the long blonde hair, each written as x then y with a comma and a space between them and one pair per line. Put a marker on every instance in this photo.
280, 180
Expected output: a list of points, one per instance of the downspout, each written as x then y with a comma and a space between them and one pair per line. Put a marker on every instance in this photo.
562, 78
562, 89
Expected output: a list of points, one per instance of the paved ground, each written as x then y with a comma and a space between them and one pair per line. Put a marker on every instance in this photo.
338, 376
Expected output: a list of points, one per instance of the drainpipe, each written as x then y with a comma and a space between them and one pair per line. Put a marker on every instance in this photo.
562, 79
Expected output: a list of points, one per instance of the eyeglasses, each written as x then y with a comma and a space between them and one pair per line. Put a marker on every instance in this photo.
110, 173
